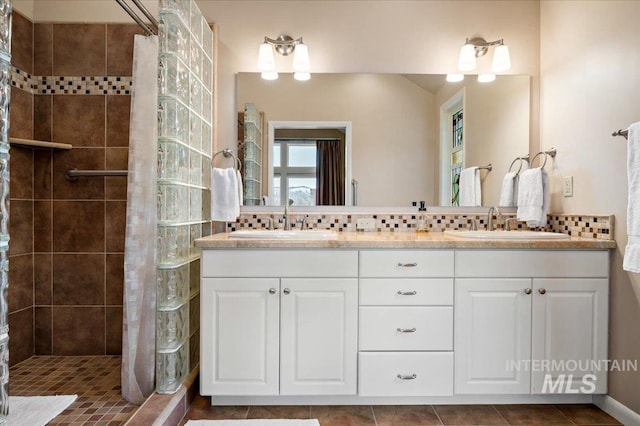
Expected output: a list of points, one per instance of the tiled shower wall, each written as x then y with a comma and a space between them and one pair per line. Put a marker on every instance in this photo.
69, 235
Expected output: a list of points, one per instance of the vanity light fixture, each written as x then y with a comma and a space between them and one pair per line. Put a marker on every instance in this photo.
455, 78
284, 45
476, 47
486, 78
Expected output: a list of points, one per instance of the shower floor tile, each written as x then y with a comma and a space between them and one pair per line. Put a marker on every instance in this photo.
95, 379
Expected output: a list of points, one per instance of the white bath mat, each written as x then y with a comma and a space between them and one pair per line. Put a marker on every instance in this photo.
37, 410
270, 422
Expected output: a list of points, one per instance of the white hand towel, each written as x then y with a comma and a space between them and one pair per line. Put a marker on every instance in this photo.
631, 261
531, 197
509, 192
240, 188
470, 192
225, 204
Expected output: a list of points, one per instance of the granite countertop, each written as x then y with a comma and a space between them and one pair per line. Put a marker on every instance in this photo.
399, 240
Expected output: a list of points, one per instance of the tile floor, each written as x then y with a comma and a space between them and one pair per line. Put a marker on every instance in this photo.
95, 379
584, 414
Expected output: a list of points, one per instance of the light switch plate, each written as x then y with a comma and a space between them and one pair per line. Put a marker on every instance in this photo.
366, 223
568, 186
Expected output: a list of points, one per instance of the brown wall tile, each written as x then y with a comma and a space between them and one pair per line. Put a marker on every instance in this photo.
21, 282
21, 227
43, 330
42, 166
120, 48
78, 331
21, 340
21, 114
78, 226
21, 185
118, 110
43, 49
42, 226
79, 49
116, 187
22, 43
115, 279
114, 331
78, 279
42, 116
79, 120
42, 279
116, 225
83, 188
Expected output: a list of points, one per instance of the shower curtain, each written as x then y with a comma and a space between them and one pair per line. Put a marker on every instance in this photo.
139, 313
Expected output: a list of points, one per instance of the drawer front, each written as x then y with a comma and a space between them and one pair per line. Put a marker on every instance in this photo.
406, 263
532, 263
279, 263
406, 291
406, 328
423, 374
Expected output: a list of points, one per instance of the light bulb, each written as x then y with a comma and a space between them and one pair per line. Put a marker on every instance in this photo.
486, 78
501, 61
301, 58
266, 61
455, 78
467, 59
301, 76
269, 75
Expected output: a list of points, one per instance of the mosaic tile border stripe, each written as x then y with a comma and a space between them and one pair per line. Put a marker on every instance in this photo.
597, 227
71, 85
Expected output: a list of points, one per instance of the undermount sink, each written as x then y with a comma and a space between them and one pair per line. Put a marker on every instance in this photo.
281, 234
507, 235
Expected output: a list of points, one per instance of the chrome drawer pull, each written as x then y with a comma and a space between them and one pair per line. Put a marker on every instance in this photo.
407, 265
411, 377
406, 330
407, 293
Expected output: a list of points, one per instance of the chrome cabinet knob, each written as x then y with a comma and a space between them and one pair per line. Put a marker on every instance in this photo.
542, 291
272, 291
527, 291
286, 291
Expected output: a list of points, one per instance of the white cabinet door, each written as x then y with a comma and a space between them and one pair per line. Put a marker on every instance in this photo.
492, 334
239, 336
318, 336
570, 318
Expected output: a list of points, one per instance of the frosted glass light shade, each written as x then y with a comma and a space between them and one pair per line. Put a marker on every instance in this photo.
486, 78
269, 75
467, 59
301, 58
501, 61
301, 76
266, 61
455, 78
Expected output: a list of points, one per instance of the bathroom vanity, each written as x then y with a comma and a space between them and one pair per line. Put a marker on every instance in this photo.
400, 318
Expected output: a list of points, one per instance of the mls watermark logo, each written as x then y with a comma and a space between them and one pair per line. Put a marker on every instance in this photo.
567, 383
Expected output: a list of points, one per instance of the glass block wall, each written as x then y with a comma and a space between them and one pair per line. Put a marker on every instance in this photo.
5, 91
252, 155
185, 128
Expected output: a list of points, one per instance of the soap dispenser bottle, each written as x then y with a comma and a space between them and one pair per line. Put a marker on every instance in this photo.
421, 225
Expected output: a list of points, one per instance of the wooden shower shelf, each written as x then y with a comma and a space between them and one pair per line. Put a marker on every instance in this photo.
39, 144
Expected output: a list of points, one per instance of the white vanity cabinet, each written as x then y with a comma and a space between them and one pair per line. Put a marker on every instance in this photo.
279, 322
406, 323
519, 311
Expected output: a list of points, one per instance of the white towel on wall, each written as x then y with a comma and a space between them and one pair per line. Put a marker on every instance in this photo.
470, 190
225, 203
533, 197
240, 188
508, 194
632, 251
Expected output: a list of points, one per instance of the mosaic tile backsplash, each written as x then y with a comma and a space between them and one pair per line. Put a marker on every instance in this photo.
597, 227
70, 85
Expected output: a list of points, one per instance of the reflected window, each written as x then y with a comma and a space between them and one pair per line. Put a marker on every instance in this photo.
294, 167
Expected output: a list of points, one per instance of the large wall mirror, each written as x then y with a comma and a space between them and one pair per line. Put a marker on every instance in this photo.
398, 138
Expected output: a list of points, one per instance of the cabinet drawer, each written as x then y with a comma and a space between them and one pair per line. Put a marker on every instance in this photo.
406, 291
406, 328
406, 263
532, 263
378, 374
279, 263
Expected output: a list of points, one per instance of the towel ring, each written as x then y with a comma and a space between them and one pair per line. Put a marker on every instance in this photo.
226, 153
514, 162
550, 153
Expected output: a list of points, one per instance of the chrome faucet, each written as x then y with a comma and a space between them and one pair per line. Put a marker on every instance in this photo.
507, 223
287, 217
490, 213
303, 222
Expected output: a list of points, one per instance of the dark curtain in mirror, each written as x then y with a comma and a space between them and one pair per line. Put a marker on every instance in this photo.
330, 173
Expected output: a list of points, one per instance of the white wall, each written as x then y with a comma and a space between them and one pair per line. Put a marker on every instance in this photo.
590, 86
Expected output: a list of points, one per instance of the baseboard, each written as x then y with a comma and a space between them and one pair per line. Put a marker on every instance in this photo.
617, 410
